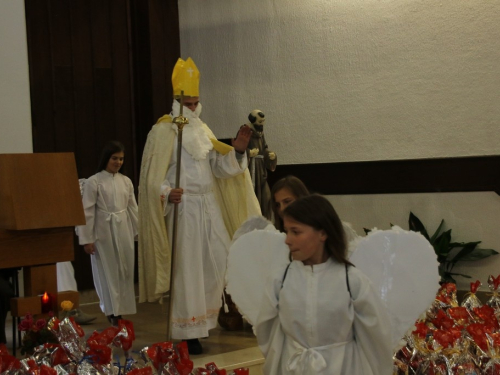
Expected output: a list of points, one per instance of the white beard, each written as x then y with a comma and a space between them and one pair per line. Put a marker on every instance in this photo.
195, 135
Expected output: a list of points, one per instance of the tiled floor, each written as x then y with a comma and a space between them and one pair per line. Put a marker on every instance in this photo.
150, 325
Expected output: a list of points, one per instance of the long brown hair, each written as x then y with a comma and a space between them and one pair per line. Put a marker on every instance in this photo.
317, 212
295, 186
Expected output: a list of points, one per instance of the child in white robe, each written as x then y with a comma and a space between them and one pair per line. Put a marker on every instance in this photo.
108, 235
320, 315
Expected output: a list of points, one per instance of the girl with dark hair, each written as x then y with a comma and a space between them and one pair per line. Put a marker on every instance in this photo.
320, 314
284, 192
108, 235
112, 147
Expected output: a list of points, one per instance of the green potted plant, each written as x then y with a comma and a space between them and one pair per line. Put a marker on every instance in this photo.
448, 252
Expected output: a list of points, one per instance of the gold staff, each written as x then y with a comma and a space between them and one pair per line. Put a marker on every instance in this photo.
180, 121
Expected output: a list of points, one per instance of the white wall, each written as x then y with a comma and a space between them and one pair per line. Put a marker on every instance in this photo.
15, 110
351, 80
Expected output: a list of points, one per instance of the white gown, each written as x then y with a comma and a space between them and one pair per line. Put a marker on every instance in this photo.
311, 325
202, 240
65, 277
111, 224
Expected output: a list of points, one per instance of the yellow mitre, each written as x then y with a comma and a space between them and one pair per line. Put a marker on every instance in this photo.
186, 76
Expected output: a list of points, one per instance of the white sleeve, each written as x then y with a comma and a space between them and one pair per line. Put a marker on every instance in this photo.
86, 233
165, 190
226, 166
270, 336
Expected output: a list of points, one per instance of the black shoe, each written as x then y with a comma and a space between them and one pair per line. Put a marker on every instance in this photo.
194, 346
113, 319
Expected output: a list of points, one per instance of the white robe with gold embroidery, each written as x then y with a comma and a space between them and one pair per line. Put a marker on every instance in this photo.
218, 200
202, 241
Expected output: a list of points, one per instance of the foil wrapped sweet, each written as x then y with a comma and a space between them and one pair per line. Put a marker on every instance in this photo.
494, 301
94, 356
454, 339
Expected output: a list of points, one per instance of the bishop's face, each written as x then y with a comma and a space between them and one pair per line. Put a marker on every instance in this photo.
191, 102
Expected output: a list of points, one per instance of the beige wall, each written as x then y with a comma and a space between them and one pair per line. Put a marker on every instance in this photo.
353, 80
349, 80
15, 110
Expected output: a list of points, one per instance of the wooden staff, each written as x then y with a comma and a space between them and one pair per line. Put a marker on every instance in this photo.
180, 121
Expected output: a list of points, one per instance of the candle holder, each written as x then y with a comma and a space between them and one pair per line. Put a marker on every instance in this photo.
46, 301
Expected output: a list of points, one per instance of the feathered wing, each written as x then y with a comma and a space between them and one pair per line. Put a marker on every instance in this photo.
252, 258
254, 223
403, 269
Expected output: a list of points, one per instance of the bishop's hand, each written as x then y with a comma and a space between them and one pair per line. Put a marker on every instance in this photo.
240, 143
175, 195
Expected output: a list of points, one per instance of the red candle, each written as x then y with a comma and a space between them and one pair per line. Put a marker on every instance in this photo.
46, 303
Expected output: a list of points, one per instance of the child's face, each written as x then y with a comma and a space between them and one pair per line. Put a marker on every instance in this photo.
305, 243
115, 162
283, 198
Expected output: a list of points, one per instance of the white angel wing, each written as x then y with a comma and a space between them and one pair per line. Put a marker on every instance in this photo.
403, 268
251, 224
82, 182
252, 258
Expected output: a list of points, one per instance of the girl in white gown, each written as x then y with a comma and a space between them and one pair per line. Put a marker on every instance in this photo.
319, 314
108, 236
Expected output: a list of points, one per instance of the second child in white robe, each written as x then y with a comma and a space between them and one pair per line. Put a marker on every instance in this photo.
111, 224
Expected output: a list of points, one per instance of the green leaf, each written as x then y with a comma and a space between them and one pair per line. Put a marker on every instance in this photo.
466, 250
460, 274
478, 254
416, 225
442, 244
447, 278
436, 233
462, 244
449, 266
441, 258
